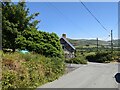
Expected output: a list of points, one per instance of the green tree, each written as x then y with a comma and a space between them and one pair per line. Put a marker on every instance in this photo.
47, 44
21, 32
16, 19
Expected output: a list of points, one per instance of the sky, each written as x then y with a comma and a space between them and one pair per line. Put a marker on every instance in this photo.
75, 21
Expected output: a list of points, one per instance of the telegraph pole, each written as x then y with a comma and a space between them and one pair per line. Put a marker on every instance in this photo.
97, 44
111, 41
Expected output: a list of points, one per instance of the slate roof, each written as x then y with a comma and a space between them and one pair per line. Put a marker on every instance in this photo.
68, 42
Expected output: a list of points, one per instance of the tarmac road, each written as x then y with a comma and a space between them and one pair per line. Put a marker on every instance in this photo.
93, 75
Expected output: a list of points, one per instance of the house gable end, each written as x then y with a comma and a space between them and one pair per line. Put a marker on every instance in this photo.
66, 44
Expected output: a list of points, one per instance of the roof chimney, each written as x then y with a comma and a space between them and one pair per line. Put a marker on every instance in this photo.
64, 35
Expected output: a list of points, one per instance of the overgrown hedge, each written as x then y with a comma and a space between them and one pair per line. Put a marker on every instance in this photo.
116, 55
77, 60
29, 70
100, 57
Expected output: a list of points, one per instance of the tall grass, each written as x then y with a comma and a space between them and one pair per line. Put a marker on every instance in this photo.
29, 70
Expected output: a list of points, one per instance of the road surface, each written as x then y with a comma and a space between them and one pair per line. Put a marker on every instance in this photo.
93, 75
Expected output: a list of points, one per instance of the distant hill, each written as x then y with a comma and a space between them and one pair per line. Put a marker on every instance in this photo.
84, 42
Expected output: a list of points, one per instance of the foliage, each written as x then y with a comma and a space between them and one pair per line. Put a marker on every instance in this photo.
78, 59
20, 32
116, 55
15, 19
44, 43
29, 70
100, 57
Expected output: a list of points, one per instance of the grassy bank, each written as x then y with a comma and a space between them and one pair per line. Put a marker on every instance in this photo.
29, 70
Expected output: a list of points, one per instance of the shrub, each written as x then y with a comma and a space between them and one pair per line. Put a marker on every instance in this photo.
100, 57
29, 70
47, 44
116, 55
77, 60
90, 58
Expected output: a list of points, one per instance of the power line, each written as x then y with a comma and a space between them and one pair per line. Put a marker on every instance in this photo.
69, 20
107, 38
94, 16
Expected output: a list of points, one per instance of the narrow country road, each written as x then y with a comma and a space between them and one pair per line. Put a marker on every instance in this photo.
93, 75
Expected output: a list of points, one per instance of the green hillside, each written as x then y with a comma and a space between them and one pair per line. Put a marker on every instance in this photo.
84, 42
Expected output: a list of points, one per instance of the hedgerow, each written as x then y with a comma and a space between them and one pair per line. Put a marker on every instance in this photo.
78, 59
29, 70
100, 57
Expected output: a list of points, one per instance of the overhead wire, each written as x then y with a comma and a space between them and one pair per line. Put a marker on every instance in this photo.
94, 16
87, 10
96, 19
65, 16
106, 38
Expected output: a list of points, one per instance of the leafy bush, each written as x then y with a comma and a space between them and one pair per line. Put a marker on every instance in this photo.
77, 60
116, 55
29, 70
100, 57
47, 44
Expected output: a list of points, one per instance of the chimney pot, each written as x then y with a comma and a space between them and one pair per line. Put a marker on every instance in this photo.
64, 35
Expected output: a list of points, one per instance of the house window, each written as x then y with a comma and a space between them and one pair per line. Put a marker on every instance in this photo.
63, 47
